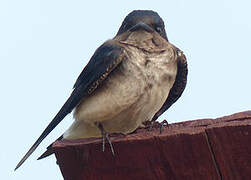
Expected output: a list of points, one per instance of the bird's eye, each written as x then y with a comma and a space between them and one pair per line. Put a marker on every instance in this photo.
158, 29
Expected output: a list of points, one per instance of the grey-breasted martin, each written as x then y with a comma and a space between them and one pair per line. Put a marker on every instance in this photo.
130, 79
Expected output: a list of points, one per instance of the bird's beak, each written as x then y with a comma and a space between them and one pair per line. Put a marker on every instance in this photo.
141, 25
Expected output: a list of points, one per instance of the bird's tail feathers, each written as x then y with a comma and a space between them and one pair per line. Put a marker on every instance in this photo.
66, 109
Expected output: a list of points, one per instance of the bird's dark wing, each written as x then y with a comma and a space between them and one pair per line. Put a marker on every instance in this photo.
106, 58
178, 86
49, 150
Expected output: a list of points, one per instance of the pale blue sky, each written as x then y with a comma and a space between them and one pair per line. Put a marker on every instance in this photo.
45, 44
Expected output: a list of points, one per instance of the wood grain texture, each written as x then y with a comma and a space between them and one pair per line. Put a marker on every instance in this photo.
199, 149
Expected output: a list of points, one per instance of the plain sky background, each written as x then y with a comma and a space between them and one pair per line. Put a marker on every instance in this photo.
45, 44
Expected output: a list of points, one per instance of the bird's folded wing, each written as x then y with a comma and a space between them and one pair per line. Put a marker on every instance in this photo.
105, 59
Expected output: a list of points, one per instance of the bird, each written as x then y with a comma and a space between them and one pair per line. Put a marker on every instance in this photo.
130, 79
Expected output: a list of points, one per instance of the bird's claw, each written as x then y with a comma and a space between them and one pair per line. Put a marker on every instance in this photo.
155, 124
105, 136
161, 125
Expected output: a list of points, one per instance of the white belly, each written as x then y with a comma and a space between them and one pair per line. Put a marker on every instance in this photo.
132, 94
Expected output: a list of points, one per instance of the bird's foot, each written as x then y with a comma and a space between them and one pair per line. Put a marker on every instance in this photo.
161, 125
150, 125
105, 136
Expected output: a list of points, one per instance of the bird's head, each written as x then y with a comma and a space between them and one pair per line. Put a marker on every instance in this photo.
148, 18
